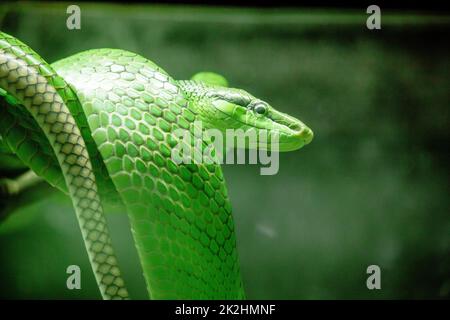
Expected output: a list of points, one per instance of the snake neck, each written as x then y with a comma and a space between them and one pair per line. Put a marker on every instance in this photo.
195, 93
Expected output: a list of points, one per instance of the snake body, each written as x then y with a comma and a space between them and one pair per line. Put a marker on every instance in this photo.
99, 126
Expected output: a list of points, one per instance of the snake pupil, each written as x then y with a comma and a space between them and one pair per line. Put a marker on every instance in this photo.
260, 109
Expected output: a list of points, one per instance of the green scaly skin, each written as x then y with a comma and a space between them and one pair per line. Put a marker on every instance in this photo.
111, 114
30, 84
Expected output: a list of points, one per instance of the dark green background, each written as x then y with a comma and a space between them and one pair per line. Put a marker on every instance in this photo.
372, 188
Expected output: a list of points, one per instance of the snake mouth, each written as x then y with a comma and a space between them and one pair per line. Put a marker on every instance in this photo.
296, 140
284, 138
293, 134
283, 133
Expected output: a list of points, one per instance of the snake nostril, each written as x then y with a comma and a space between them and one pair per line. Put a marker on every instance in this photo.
308, 135
295, 127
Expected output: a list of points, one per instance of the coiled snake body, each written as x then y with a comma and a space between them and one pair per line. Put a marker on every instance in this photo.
99, 126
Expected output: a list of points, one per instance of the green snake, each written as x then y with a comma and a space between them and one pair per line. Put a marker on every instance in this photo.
99, 126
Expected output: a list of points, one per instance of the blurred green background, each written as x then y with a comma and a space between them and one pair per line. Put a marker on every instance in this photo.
372, 188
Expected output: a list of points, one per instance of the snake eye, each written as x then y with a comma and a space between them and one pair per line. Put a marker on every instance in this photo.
260, 109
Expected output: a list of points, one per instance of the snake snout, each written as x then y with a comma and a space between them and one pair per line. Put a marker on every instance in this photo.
294, 134
301, 131
306, 134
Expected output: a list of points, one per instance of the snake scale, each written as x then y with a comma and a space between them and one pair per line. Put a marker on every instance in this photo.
99, 127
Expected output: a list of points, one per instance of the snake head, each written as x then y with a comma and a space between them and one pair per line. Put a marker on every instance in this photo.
226, 108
